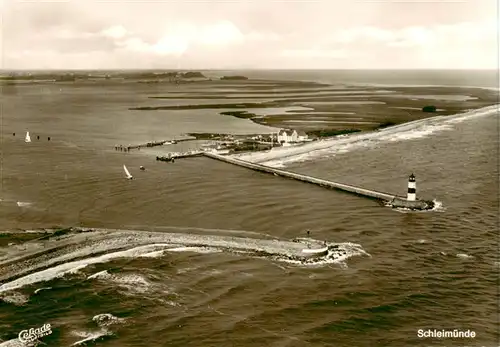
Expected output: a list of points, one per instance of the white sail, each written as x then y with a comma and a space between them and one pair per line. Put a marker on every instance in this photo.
129, 176
27, 138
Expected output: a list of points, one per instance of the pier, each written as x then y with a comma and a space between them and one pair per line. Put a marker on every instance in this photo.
150, 144
391, 199
170, 157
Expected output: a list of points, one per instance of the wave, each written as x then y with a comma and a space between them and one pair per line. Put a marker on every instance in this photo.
10, 202
337, 254
281, 156
40, 289
438, 207
132, 282
90, 336
140, 243
71, 267
12, 343
464, 256
106, 319
195, 249
103, 320
14, 298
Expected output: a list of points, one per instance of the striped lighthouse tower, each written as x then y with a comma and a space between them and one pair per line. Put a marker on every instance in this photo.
412, 188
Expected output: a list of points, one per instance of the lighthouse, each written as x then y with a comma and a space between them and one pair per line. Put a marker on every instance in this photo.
412, 188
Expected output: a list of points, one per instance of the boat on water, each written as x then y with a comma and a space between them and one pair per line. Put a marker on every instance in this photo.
28, 137
127, 173
142, 168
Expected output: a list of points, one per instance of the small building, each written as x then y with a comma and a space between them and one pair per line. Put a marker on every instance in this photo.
302, 136
287, 135
290, 136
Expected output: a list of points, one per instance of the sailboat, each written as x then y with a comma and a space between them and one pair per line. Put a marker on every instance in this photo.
27, 138
129, 176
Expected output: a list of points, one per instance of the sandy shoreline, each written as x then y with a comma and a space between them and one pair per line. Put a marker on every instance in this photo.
280, 153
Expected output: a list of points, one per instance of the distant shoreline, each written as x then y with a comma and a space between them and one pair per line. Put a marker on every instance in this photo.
328, 108
318, 108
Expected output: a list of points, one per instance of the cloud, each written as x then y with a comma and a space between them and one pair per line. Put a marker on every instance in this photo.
458, 45
466, 32
363, 33
257, 33
178, 38
221, 33
115, 32
314, 53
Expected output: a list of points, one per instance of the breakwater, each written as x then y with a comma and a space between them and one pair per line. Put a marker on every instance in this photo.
18, 269
150, 144
391, 199
177, 155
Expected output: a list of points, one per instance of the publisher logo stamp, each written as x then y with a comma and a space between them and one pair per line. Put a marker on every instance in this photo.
31, 335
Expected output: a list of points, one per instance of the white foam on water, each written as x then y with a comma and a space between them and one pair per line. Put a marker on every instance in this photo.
17, 299
100, 274
12, 343
473, 114
169, 303
338, 256
76, 269
154, 254
194, 249
213, 272
273, 248
438, 207
106, 319
280, 156
424, 131
132, 282
187, 269
23, 203
322, 153
90, 336
40, 289
71, 267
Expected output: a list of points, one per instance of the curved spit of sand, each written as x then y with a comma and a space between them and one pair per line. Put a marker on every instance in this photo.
75, 250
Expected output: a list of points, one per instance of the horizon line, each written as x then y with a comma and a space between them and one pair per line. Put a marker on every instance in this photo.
253, 69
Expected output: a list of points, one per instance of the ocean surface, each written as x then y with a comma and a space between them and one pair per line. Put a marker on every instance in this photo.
404, 271
458, 78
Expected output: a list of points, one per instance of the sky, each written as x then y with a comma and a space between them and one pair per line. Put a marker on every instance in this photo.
249, 34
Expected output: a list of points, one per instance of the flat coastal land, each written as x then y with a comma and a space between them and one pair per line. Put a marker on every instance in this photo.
318, 109
322, 110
